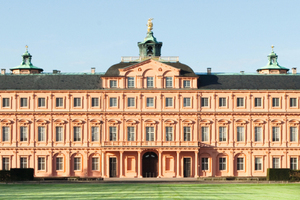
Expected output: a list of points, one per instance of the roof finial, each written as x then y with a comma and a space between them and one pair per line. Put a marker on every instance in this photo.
272, 48
150, 24
26, 47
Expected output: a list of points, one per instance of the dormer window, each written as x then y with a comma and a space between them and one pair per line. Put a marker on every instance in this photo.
130, 82
187, 84
169, 82
149, 82
113, 83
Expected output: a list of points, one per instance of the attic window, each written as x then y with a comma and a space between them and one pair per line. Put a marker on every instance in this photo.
149, 51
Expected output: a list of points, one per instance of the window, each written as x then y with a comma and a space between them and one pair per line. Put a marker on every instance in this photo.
275, 102
113, 102
59, 163
5, 133
130, 102
41, 133
293, 133
5, 163
58, 133
204, 163
222, 134
23, 133
240, 133
130, 133
59, 102
95, 163
222, 102
5, 102
258, 164
130, 82
41, 102
293, 102
204, 134
169, 133
187, 133
275, 131
169, 82
149, 133
23, 162
77, 102
186, 102
240, 164
77, 133
240, 102
204, 102
23, 102
169, 102
95, 133
294, 163
112, 133
113, 83
276, 163
77, 163
95, 102
258, 134
222, 163
41, 163
149, 82
257, 102
186, 84
150, 102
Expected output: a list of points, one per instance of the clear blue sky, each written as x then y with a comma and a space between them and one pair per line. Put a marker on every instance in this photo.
75, 35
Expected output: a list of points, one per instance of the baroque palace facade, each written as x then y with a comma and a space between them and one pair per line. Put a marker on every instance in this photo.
149, 116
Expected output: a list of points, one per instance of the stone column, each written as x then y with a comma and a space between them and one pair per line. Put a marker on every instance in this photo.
121, 163
159, 164
102, 164
231, 163
196, 164
177, 164
139, 165
68, 165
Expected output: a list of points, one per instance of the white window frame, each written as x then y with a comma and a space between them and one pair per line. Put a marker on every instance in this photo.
5, 133
293, 133
95, 163
130, 82
95, 102
5, 163
150, 102
293, 102
23, 162
41, 102
275, 162
240, 163
293, 163
112, 102
59, 102
23, 133
187, 133
275, 102
23, 102
130, 133
275, 133
149, 133
76, 133
113, 84
258, 163
169, 102
204, 164
112, 133
257, 102
222, 163
59, 133
186, 84
130, 102
77, 102
240, 102
41, 163
169, 133
77, 163
257, 133
240, 133
150, 82
41, 133
222, 133
204, 133
169, 81
186, 102
222, 102
204, 102
59, 163
94, 133
5, 103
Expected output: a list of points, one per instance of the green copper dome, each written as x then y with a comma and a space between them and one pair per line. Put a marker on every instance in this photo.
26, 63
272, 63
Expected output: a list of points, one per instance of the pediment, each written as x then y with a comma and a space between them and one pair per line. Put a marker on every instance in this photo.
149, 66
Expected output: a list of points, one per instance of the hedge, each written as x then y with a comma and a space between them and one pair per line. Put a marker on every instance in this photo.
16, 174
295, 175
278, 174
4, 176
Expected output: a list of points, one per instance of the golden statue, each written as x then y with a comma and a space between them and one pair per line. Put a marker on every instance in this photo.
150, 24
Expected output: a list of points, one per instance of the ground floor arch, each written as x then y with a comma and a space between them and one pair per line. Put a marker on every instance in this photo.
149, 164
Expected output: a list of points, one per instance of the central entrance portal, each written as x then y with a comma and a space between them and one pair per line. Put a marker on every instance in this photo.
150, 164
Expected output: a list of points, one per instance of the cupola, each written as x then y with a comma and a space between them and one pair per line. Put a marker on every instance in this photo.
26, 67
149, 47
272, 67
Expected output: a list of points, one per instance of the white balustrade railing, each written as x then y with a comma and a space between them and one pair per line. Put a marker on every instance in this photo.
161, 58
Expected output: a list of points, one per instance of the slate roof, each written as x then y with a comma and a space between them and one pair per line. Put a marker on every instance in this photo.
93, 82
185, 70
249, 82
50, 82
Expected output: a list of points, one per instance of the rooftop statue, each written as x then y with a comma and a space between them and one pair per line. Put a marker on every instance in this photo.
150, 24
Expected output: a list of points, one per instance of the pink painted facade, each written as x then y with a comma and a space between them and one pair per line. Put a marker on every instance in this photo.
149, 120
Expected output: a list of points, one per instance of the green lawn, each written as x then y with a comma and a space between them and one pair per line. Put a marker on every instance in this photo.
150, 191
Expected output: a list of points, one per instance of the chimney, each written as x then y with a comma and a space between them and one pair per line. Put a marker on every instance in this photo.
209, 70
93, 69
3, 71
242, 72
294, 70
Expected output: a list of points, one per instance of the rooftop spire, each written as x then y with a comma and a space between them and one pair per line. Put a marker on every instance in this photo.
272, 48
150, 25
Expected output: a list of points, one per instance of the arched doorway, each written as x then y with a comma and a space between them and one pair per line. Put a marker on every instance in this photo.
150, 164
